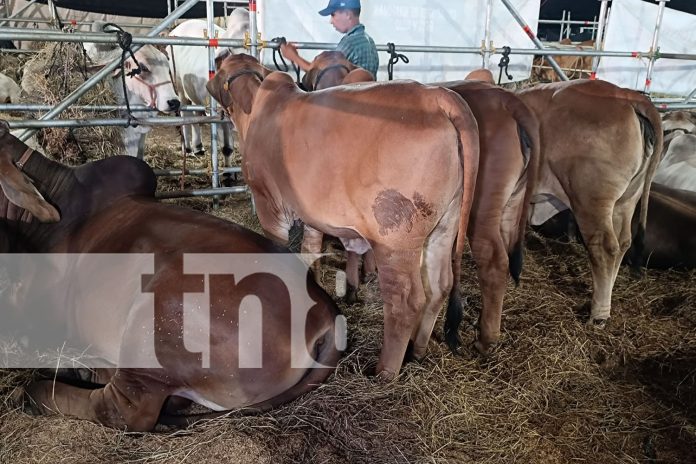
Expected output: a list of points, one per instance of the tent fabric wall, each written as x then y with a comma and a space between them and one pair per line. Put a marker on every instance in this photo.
630, 28
411, 22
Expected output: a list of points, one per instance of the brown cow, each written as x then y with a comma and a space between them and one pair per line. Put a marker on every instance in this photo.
600, 147
108, 207
575, 67
508, 168
329, 69
349, 161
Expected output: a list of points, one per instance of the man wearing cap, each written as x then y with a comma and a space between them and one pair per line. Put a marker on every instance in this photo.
356, 45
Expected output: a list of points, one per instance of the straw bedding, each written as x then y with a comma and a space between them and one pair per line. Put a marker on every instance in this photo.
553, 391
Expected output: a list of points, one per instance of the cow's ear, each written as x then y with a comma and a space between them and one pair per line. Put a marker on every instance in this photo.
358, 75
19, 191
218, 89
308, 79
4, 127
224, 53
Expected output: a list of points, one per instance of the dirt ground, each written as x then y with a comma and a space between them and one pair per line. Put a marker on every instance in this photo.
553, 391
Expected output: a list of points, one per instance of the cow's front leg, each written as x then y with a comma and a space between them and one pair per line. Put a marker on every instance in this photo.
311, 246
127, 402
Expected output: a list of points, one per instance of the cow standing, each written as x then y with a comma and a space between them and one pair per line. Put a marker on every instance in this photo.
108, 207
348, 161
189, 66
600, 147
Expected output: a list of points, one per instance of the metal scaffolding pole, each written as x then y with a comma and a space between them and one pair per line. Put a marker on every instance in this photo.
26, 7
533, 37
156, 121
653, 46
213, 104
108, 69
253, 29
599, 41
44, 107
487, 38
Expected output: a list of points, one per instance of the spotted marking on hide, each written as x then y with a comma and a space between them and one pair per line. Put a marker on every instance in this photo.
393, 210
424, 208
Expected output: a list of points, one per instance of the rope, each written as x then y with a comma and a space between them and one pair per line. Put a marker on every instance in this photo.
125, 40
285, 67
504, 62
393, 59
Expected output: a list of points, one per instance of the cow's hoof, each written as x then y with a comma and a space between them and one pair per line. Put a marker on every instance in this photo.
483, 348
227, 180
385, 376
597, 323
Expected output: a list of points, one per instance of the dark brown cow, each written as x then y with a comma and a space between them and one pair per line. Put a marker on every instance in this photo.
600, 147
670, 242
508, 168
349, 162
108, 207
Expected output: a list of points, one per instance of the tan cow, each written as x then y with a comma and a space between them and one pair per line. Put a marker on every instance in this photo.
600, 147
329, 69
575, 67
483, 75
349, 161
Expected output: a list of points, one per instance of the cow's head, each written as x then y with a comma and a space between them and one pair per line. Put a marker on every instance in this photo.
16, 186
229, 71
331, 68
153, 85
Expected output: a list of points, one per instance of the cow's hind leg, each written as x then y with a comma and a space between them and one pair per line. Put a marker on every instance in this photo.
492, 262
128, 401
597, 231
404, 298
436, 275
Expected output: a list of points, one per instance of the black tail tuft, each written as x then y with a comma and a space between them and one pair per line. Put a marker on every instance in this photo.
516, 258
453, 319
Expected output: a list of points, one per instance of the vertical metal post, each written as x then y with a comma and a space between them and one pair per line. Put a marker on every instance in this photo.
594, 28
487, 36
562, 32
210, 11
599, 40
568, 29
653, 47
54, 14
253, 28
528, 30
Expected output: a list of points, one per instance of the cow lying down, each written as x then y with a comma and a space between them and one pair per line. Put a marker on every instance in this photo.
669, 241
148, 341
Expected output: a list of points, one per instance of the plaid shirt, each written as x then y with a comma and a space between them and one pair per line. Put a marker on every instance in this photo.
360, 49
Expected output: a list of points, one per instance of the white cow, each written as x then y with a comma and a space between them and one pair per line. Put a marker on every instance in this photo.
9, 90
189, 66
152, 87
678, 166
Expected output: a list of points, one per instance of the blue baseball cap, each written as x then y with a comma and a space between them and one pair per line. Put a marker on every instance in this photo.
335, 5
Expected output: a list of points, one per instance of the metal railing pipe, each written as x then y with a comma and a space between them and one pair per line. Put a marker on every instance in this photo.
653, 46
599, 41
34, 124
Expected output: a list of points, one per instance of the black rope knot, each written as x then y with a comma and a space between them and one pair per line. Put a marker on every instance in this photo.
504, 62
285, 68
393, 59
125, 41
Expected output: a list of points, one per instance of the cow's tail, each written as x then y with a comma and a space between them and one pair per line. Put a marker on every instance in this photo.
328, 355
651, 128
530, 145
464, 122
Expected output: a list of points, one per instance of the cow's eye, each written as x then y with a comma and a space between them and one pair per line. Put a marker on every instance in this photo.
144, 68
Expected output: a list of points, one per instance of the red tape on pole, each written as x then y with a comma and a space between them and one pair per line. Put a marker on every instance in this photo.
211, 74
252, 6
213, 43
593, 76
528, 30
635, 54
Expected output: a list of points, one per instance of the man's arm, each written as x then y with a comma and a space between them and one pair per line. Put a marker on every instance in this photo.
289, 51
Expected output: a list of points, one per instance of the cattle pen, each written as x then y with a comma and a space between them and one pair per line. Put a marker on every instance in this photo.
553, 391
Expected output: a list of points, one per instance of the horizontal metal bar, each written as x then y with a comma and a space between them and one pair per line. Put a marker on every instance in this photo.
193, 172
675, 106
202, 192
41, 107
91, 37
162, 121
